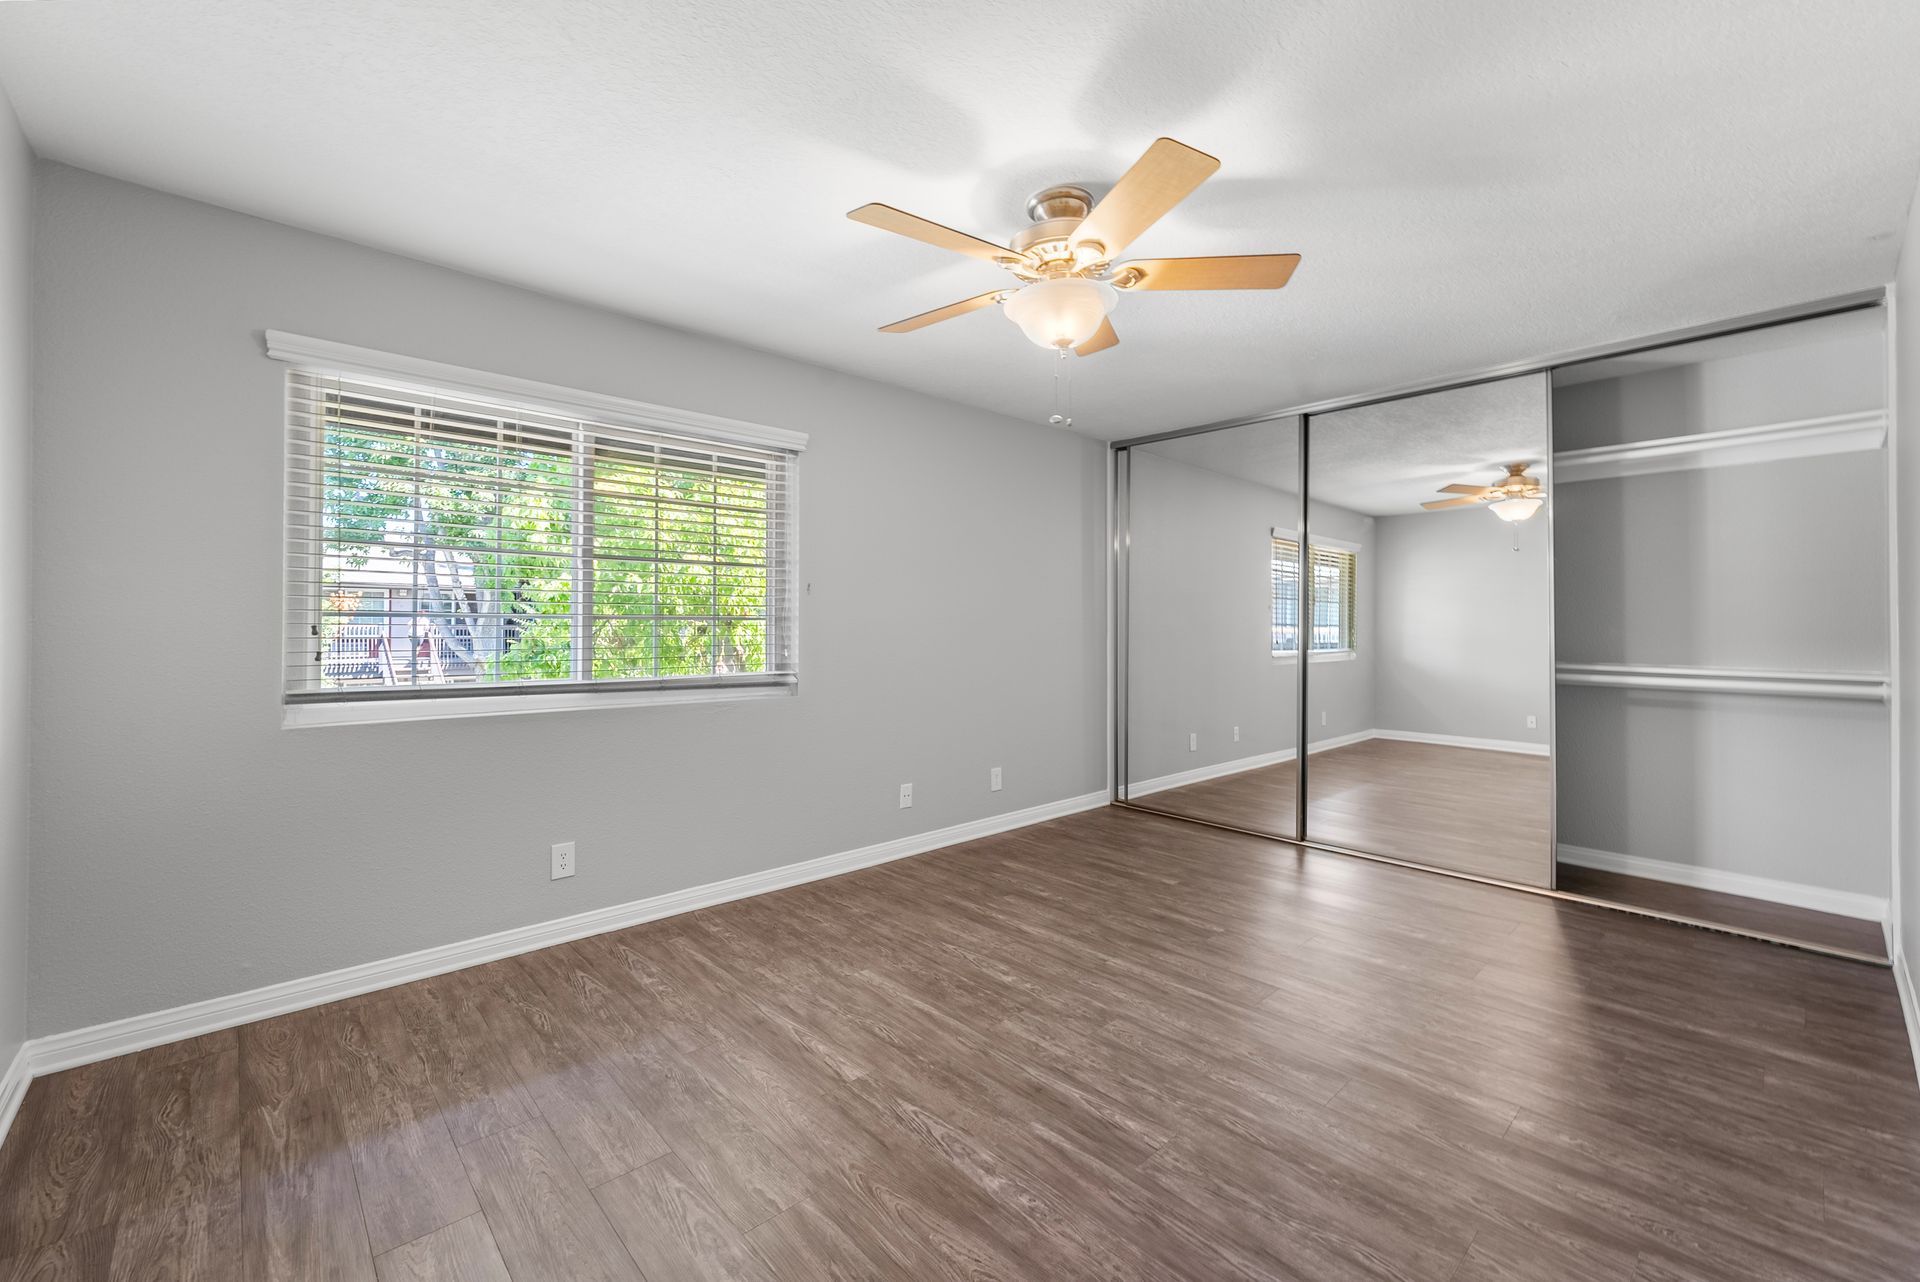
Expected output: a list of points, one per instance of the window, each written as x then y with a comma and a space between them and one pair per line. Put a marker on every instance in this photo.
1333, 598
446, 544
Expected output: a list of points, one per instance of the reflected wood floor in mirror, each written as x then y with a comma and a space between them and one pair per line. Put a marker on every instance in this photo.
1114, 1046
1466, 809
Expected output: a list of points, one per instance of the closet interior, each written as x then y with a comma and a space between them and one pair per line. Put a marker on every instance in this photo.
1723, 627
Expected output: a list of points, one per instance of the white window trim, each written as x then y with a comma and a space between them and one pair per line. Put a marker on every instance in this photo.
307, 716
1322, 541
430, 377
1335, 545
420, 375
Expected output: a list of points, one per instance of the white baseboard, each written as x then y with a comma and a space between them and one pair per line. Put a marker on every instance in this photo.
1845, 903
1147, 787
1909, 1002
1221, 769
1341, 741
1461, 741
119, 1037
13, 1089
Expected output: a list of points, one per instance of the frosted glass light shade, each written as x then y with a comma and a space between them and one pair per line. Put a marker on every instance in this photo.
1062, 312
1514, 509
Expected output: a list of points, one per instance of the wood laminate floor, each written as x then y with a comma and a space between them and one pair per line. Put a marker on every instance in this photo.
1827, 929
1472, 811
1115, 1046
1466, 809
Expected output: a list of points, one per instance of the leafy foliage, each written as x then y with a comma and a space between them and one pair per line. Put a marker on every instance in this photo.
469, 540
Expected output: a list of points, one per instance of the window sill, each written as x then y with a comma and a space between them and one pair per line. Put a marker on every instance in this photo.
1319, 656
306, 716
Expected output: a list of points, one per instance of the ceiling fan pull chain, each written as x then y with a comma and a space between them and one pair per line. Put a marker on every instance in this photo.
1062, 401
1066, 373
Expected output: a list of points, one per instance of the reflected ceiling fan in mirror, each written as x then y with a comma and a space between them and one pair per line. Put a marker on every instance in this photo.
1064, 261
1514, 497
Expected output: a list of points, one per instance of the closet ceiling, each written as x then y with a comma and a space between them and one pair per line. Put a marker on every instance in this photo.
1827, 329
1469, 185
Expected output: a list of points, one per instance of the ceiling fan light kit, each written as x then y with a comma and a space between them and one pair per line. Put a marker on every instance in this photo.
1065, 258
1515, 509
1062, 312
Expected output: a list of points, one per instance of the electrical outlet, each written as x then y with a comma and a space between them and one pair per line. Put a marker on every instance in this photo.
993, 779
562, 860
1236, 734
1193, 743
1533, 723
1323, 716
906, 796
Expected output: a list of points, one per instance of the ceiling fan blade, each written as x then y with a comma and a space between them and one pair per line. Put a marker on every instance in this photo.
1102, 339
1163, 177
1239, 271
1437, 504
901, 223
1464, 489
939, 314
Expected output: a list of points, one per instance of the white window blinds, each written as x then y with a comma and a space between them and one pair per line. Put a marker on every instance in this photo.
1334, 592
441, 545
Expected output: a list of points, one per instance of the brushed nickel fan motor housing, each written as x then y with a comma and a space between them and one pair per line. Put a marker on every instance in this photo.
1517, 483
1063, 201
1048, 243
1049, 230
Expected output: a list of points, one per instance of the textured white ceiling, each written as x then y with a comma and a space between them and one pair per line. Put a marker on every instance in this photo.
1265, 453
1470, 183
1387, 459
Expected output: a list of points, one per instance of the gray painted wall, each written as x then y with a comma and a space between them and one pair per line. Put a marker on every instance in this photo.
1463, 638
188, 847
1906, 480
1791, 789
1767, 565
1714, 568
1200, 603
16, 543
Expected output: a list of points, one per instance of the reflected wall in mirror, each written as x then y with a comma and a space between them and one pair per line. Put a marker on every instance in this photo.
1723, 626
1430, 689
1210, 566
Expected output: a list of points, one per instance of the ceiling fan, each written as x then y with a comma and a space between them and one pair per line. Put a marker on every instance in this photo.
1064, 261
1514, 497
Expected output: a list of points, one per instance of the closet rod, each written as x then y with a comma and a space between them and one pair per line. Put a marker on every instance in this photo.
1862, 686
1766, 443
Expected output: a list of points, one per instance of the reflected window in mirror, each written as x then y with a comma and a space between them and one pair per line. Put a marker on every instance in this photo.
1335, 572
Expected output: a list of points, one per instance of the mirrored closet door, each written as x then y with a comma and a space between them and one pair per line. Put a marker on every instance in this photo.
1620, 630
1723, 630
1430, 670
1211, 559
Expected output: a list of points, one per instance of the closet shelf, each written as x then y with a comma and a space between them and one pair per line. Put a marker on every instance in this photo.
1862, 686
1770, 442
